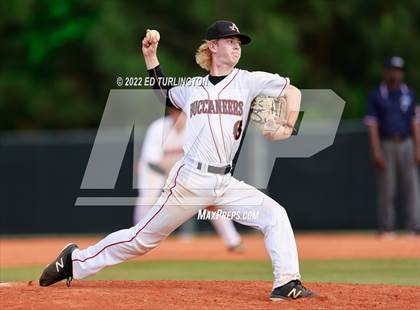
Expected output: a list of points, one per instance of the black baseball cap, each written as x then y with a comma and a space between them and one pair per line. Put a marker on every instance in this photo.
224, 29
394, 62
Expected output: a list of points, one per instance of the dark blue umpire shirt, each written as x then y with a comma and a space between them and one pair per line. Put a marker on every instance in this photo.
394, 111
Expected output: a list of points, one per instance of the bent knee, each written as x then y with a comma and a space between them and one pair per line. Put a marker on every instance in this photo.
280, 213
276, 217
146, 242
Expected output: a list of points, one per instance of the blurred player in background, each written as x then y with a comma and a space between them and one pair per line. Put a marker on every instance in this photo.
162, 148
394, 131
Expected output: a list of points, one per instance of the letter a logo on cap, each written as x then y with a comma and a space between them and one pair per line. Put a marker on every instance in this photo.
234, 28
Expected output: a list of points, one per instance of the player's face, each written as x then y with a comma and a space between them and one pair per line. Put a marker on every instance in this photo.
228, 51
394, 75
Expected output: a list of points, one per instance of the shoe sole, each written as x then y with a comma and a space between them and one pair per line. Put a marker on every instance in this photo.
288, 298
280, 299
283, 298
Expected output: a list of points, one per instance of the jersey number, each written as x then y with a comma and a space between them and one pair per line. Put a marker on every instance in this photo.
237, 130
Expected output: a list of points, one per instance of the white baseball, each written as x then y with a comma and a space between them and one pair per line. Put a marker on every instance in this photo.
152, 36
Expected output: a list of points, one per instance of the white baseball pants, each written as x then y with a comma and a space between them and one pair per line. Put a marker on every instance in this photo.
224, 227
186, 192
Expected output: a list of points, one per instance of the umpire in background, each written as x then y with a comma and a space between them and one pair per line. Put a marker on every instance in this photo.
394, 132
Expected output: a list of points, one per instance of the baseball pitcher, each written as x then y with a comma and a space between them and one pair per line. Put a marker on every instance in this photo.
217, 112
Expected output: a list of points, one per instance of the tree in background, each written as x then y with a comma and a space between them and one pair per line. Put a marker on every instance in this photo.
61, 58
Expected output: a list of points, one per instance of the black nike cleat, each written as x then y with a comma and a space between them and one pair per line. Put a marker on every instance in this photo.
292, 290
61, 268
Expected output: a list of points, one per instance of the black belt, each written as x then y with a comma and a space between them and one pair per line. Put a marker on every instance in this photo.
218, 170
156, 168
395, 138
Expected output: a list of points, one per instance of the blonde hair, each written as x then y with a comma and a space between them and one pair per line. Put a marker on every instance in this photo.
203, 56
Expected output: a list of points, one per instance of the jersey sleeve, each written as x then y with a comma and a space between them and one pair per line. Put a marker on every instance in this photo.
413, 107
178, 96
267, 84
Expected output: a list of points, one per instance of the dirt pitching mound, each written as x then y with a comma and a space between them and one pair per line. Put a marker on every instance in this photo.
199, 295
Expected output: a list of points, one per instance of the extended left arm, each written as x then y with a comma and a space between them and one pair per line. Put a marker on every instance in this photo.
293, 96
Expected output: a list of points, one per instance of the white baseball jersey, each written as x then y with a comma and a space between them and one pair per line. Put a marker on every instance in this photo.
217, 114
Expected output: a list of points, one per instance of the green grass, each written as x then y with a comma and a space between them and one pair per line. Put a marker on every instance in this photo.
383, 271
